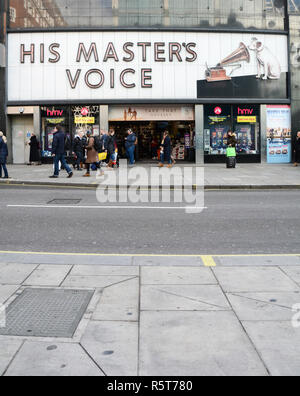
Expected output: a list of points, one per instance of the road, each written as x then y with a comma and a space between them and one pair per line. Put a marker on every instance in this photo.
234, 222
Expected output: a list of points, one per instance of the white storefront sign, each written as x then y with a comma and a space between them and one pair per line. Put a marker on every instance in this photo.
135, 65
151, 113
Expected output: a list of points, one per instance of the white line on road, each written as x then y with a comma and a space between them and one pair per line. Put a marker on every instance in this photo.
107, 207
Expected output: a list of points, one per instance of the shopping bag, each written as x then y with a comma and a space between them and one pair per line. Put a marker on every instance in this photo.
102, 156
231, 152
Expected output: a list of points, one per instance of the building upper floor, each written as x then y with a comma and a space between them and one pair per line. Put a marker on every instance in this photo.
138, 14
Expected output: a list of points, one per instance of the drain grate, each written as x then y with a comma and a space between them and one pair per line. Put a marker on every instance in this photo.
46, 313
64, 202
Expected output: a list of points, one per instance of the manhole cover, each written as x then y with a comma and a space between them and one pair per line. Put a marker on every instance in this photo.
64, 202
46, 313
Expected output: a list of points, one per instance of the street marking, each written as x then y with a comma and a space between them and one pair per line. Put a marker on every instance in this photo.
208, 261
107, 207
149, 255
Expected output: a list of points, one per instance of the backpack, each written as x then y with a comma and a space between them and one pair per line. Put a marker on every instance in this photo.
97, 144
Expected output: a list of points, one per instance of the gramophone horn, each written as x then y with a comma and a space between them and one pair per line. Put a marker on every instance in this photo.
241, 54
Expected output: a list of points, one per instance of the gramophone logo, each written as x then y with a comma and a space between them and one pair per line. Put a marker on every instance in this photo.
268, 66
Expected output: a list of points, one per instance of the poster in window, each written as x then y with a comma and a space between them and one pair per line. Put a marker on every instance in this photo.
279, 135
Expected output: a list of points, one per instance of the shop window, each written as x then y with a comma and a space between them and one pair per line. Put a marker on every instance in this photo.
84, 119
52, 116
247, 129
244, 121
218, 122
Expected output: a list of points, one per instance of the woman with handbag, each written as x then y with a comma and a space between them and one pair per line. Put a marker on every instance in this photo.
92, 155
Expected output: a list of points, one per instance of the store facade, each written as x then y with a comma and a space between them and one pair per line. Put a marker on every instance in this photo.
198, 86
196, 82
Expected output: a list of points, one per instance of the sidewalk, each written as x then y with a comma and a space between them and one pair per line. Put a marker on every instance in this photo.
152, 317
216, 176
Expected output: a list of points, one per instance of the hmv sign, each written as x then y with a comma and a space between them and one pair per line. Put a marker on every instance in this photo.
142, 65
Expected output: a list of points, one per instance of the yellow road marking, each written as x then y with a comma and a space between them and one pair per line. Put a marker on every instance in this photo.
208, 261
201, 256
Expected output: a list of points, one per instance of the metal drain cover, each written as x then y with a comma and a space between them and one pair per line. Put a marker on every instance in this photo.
46, 313
64, 202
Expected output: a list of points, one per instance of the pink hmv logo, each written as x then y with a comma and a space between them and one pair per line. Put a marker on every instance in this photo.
54, 113
85, 111
218, 110
245, 111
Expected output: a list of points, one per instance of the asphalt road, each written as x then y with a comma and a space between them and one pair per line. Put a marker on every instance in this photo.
235, 222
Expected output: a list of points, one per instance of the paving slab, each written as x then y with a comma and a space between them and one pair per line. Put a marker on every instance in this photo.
8, 350
168, 261
256, 279
293, 273
114, 346
253, 261
196, 344
7, 291
94, 281
264, 306
119, 302
48, 275
279, 345
183, 298
57, 359
91, 270
177, 276
15, 274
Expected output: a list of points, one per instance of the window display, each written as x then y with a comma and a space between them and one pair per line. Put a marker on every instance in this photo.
52, 116
244, 121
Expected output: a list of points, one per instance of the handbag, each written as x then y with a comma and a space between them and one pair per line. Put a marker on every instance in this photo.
231, 152
102, 156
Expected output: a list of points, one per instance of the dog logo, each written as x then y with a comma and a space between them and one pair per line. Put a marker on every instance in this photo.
268, 65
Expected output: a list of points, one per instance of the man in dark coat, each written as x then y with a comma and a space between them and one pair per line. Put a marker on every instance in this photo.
297, 149
78, 148
3, 155
166, 149
58, 153
130, 143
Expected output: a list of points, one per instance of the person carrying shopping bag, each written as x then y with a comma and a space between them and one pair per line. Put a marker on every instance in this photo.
231, 150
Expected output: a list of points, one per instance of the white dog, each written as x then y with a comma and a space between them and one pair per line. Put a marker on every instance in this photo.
267, 63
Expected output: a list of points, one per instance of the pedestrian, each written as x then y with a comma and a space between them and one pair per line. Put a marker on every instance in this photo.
91, 154
130, 144
297, 149
78, 149
231, 149
3, 155
58, 152
112, 149
231, 139
165, 151
154, 148
34, 150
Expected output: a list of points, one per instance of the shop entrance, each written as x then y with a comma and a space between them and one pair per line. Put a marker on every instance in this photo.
150, 135
22, 128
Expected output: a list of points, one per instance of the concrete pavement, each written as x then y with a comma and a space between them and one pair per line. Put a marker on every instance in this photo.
234, 318
216, 176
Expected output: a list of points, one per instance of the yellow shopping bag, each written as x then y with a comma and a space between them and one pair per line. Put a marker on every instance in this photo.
102, 156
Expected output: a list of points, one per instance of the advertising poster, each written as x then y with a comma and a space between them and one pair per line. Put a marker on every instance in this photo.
246, 139
219, 139
279, 135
